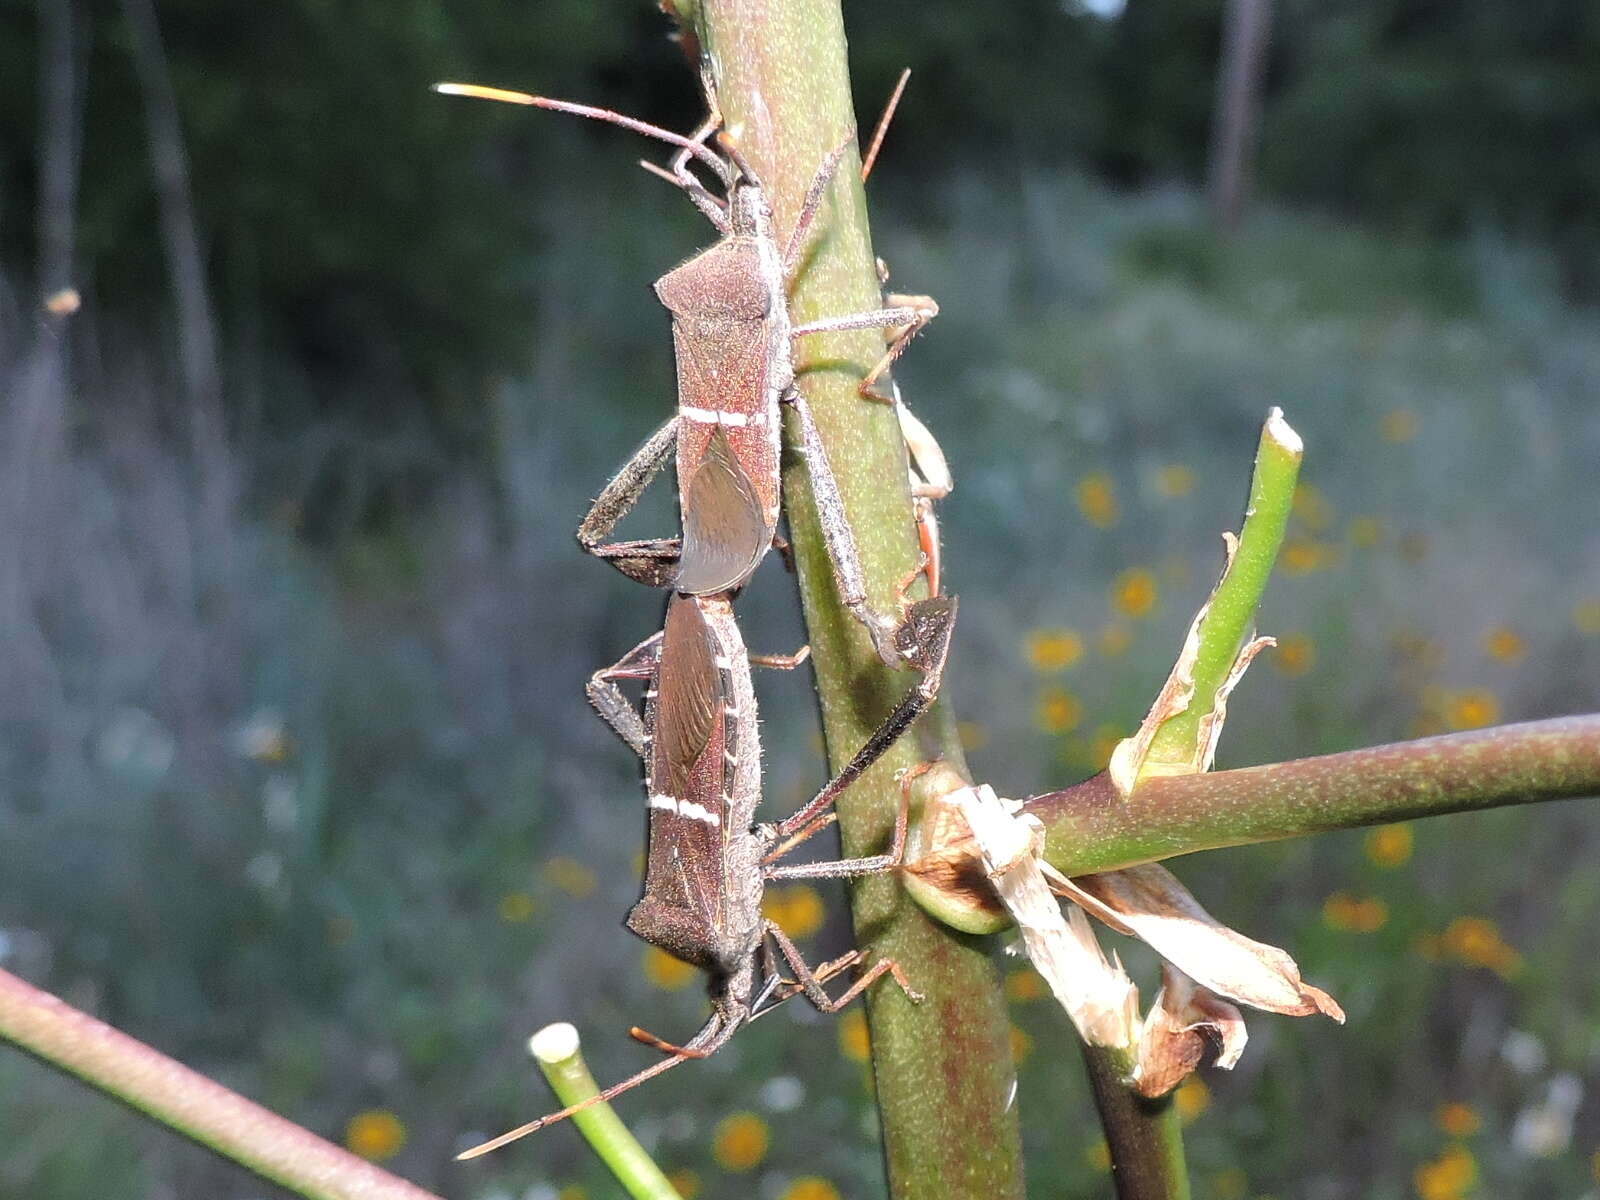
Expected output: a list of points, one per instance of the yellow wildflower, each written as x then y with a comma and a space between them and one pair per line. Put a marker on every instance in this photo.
1351, 914
1398, 426
810, 1187
1098, 1156
685, 1182
797, 909
1057, 710
740, 1141
1301, 556
571, 876
1477, 943
1134, 592
1192, 1098
1586, 616
1023, 985
1021, 1045
1053, 649
666, 972
854, 1042
572, 1191
1457, 1120
1174, 480
1311, 508
1389, 846
1447, 1177
1504, 644
1364, 532
1114, 639
1472, 709
516, 907
375, 1134
1097, 500
974, 735
1295, 655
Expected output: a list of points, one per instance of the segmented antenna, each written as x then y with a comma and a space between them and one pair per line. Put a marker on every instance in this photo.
505, 96
883, 124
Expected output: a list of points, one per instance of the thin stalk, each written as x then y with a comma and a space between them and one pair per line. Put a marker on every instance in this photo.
1231, 614
206, 1112
1143, 1136
1090, 827
555, 1048
943, 1067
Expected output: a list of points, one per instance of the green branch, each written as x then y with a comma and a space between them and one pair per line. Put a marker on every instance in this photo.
555, 1048
206, 1112
1179, 735
943, 1067
1092, 828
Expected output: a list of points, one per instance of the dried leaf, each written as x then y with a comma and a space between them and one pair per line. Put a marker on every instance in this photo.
1098, 996
1149, 902
1128, 764
1211, 724
1184, 1023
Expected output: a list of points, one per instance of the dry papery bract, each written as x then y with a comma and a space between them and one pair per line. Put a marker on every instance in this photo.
1207, 965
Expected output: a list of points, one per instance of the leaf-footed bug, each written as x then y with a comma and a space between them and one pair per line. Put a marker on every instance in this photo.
708, 862
735, 351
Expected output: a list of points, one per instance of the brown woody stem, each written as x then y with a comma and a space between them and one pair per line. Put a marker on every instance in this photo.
1091, 828
199, 1108
943, 1067
1142, 1135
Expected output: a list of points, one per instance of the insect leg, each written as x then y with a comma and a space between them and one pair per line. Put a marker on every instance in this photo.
810, 204
927, 308
781, 662
847, 867
928, 627
812, 986
615, 708
652, 561
840, 541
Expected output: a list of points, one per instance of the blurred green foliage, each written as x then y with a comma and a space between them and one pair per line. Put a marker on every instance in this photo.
372, 235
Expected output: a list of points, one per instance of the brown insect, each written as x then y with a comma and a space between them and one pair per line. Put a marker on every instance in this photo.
735, 352
709, 861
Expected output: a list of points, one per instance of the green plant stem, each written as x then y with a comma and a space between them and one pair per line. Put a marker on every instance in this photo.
555, 1048
1091, 828
1232, 612
200, 1109
943, 1067
1143, 1136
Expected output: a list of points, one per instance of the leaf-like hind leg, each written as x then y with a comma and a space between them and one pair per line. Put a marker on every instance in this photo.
652, 561
613, 706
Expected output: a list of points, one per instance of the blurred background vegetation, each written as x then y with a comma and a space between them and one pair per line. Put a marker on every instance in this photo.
296, 779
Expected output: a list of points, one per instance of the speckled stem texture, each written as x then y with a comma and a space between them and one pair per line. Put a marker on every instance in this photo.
169, 1092
1091, 828
943, 1068
1143, 1136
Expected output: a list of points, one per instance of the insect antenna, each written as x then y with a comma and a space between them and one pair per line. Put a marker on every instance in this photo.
883, 124
616, 1089
505, 96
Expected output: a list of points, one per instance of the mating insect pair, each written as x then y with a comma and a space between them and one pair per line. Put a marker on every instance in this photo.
708, 861
734, 344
